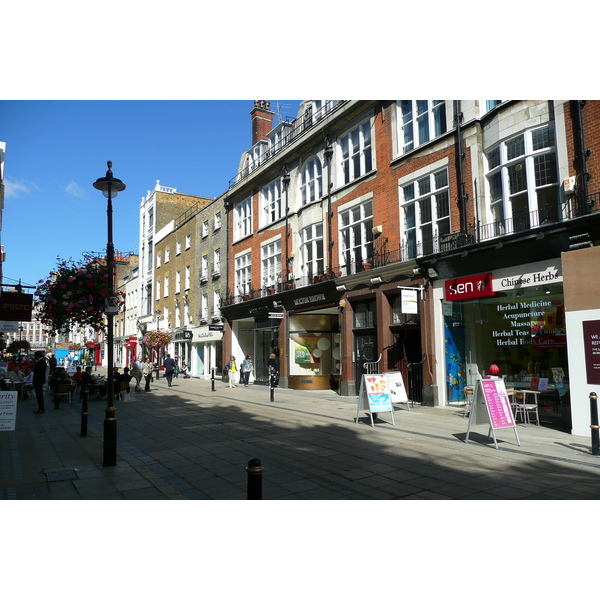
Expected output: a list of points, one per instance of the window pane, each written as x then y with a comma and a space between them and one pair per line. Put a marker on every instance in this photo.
441, 179
515, 147
545, 169
424, 186
517, 179
542, 138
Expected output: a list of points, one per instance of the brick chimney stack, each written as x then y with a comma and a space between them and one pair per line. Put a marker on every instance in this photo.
262, 120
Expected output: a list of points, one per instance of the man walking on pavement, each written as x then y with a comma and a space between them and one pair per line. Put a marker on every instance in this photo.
39, 379
169, 365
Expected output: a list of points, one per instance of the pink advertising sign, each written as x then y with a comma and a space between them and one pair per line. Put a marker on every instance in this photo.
498, 404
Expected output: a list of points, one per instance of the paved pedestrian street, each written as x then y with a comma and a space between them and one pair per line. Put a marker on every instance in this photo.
188, 442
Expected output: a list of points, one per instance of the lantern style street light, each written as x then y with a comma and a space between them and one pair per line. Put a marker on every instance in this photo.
110, 187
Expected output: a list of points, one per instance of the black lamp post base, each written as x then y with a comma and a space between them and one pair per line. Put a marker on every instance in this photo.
110, 438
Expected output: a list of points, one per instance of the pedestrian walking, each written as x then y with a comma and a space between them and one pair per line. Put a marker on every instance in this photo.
169, 366
39, 379
136, 371
232, 370
245, 369
147, 370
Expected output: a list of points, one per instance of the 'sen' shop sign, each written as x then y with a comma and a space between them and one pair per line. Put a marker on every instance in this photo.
474, 286
15, 306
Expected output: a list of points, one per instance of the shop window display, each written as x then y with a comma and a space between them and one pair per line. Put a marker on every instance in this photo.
523, 333
314, 346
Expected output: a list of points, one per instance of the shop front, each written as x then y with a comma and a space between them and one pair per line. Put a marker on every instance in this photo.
513, 318
206, 351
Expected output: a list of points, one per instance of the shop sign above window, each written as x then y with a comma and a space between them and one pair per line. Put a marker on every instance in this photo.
474, 286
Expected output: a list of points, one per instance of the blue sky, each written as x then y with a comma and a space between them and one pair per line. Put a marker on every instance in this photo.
55, 150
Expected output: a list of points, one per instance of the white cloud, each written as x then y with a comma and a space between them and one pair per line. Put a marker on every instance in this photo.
14, 188
74, 189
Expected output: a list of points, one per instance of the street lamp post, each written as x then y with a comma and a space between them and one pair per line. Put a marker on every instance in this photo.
110, 187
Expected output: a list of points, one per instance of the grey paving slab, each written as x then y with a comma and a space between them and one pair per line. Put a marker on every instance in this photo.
187, 442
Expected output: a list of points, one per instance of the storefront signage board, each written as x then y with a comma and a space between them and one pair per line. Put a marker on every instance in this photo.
396, 387
492, 405
465, 288
8, 410
591, 343
374, 397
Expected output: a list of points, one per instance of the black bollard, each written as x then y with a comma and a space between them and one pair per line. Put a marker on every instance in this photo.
255, 471
212, 380
84, 410
595, 427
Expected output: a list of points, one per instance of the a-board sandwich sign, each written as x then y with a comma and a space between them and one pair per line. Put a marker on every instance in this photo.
374, 397
491, 404
396, 387
8, 410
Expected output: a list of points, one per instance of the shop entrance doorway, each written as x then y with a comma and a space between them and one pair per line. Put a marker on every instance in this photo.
266, 343
365, 350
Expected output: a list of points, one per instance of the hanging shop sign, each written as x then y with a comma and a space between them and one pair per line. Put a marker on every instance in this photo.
183, 335
410, 304
9, 326
465, 288
15, 306
491, 405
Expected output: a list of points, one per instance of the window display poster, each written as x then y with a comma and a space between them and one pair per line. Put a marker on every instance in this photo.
497, 403
8, 410
591, 343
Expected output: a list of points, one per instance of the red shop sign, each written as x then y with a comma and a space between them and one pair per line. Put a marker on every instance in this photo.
474, 286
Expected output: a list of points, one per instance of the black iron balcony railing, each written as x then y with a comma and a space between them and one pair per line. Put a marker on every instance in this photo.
384, 255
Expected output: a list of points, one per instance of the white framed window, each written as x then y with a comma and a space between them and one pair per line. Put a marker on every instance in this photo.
204, 268
311, 181
178, 248
271, 202
166, 290
204, 307
187, 277
178, 282
242, 219
311, 248
356, 151
420, 121
217, 261
177, 315
356, 234
167, 254
217, 304
158, 289
204, 229
271, 263
188, 241
186, 312
158, 259
522, 181
243, 273
425, 206
166, 317
217, 222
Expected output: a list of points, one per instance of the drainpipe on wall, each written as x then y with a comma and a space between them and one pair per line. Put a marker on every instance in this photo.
328, 155
583, 154
460, 157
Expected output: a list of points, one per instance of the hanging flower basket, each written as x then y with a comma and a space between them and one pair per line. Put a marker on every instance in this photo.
76, 294
157, 339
